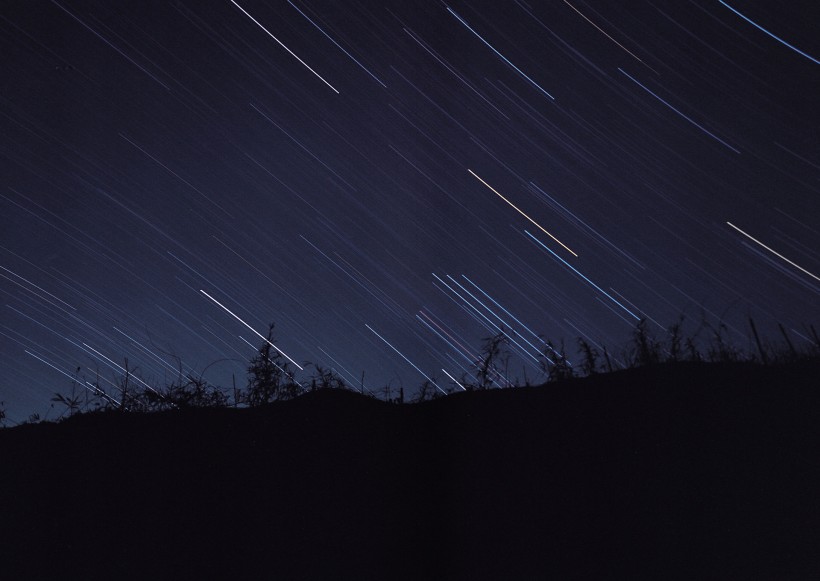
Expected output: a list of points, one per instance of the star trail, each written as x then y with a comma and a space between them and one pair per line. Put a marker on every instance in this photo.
367, 175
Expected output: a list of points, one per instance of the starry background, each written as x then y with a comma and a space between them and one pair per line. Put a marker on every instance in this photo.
390, 182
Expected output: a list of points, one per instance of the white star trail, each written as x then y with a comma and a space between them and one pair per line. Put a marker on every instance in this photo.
505, 59
110, 44
293, 54
517, 209
254, 331
602, 31
583, 276
339, 46
780, 256
413, 365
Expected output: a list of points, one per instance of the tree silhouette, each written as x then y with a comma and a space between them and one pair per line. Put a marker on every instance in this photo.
486, 366
269, 376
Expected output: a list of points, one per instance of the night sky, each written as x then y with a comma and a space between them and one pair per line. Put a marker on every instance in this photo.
390, 182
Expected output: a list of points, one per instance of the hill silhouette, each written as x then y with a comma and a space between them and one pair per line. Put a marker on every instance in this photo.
670, 471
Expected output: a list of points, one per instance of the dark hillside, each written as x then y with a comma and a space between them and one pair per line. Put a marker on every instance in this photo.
680, 471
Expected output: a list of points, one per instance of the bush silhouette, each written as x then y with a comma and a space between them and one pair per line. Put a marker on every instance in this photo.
269, 376
271, 379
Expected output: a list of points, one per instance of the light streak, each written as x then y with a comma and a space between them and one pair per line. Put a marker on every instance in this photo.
94, 387
553, 202
689, 119
777, 38
353, 379
463, 306
225, 344
783, 268
148, 351
305, 149
568, 48
319, 28
496, 328
176, 175
614, 312
458, 75
503, 322
493, 190
456, 381
634, 306
256, 349
506, 60
449, 339
797, 266
460, 366
493, 328
601, 30
35, 286
145, 221
36, 322
123, 370
501, 307
102, 38
394, 308
235, 316
54, 367
293, 54
386, 342
499, 318
576, 271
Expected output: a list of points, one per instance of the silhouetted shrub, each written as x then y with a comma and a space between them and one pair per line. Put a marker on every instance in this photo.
269, 376
589, 363
646, 350
555, 363
326, 379
486, 366
192, 392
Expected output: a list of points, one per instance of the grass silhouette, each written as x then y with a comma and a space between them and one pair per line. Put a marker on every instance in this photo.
271, 378
670, 459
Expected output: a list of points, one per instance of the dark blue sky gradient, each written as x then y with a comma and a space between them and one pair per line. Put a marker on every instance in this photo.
153, 150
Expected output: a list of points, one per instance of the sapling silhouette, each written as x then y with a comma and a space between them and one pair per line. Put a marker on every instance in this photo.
674, 349
555, 363
720, 349
427, 392
190, 392
792, 350
646, 350
763, 356
589, 363
124, 386
71, 403
486, 365
326, 379
608, 361
269, 376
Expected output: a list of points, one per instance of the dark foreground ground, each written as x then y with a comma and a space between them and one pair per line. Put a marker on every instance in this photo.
677, 472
